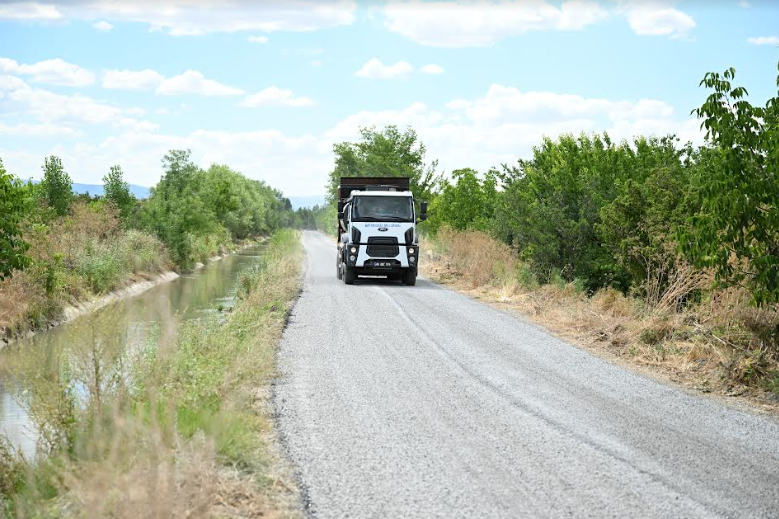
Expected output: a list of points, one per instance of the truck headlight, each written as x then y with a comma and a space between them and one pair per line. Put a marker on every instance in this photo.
354, 250
352, 258
412, 259
411, 250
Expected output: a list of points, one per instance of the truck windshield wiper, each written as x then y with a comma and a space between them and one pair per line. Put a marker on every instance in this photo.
391, 218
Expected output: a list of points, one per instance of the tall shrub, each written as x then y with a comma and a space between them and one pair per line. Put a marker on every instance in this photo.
737, 229
12, 209
57, 186
117, 191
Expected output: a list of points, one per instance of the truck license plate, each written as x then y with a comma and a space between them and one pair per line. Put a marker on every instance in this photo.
382, 264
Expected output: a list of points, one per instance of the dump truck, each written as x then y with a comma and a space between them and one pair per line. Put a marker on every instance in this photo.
377, 229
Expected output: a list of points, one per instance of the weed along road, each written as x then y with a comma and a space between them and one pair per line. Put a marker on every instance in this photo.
397, 401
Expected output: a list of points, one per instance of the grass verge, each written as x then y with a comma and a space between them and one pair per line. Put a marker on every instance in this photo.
181, 428
74, 258
719, 344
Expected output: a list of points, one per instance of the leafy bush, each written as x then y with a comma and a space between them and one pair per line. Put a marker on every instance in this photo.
737, 230
468, 203
589, 209
12, 208
100, 267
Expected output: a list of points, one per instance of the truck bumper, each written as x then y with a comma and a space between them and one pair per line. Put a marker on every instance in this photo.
407, 258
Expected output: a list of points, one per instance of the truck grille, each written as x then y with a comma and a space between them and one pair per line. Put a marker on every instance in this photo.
382, 247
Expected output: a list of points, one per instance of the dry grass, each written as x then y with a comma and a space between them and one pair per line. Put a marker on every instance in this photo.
156, 481
720, 345
474, 258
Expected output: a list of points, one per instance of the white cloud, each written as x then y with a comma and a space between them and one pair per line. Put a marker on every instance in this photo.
28, 11
503, 104
481, 23
764, 40
375, 69
257, 39
744, 4
37, 130
190, 82
432, 68
132, 79
193, 82
11, 83
194, 17
656, 18
63, 111
49, 107
417, 115
274, 96
102, 25
51, 71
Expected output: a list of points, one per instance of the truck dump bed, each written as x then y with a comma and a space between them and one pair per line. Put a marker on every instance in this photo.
349, 184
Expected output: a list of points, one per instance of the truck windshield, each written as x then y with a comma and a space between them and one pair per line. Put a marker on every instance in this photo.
383, 208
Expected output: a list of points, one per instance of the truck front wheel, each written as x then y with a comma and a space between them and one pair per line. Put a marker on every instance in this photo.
338, 266
349, 275
410, 277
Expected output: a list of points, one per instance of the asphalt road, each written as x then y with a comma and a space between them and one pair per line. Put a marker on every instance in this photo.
404, 402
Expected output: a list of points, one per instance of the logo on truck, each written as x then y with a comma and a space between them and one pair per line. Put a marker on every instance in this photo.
382, 229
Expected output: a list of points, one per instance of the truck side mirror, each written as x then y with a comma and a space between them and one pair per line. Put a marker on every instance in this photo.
422, 211
340, 215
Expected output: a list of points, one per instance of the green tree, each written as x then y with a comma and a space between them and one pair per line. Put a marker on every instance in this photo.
176, 211
12, 209
550, 206
466, 202
117, 191
195, 211
57, 186
736, 232
386, 153
640, 225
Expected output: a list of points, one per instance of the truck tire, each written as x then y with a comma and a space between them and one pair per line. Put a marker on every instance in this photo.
410, 278
349, 275
338, 273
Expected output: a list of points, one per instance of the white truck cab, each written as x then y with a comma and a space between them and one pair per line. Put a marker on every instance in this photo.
377, 229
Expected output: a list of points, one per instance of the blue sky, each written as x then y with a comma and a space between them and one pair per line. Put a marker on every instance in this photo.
268, 87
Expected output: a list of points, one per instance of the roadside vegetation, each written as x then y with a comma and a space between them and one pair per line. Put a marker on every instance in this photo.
58, 248
660, 252
181, 428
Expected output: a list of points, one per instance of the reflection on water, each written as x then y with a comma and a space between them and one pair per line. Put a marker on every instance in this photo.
96, 347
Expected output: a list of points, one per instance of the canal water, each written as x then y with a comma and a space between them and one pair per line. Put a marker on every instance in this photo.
131, 324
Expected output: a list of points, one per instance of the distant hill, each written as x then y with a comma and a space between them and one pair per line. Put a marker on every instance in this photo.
306, 201
97, 189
